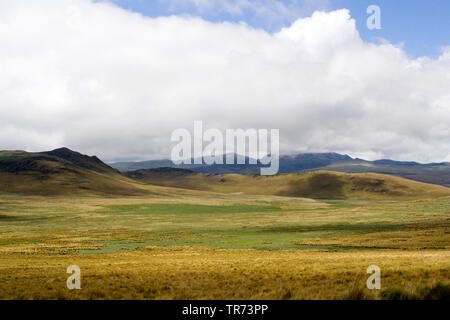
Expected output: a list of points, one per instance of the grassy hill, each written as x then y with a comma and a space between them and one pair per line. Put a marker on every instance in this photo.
318, 184
61, 172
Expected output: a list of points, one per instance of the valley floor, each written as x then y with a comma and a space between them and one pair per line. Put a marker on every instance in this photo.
214, 246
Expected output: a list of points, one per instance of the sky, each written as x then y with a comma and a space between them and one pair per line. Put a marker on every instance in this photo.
420, 27
115, 78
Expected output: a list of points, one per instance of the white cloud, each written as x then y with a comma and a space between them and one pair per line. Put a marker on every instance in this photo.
114, 83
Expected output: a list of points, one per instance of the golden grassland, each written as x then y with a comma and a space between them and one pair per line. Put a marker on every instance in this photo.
184, 244
208, 273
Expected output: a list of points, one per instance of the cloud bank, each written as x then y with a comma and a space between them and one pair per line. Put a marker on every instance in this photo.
106, 81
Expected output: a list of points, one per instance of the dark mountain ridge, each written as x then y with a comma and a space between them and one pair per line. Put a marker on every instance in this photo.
436, 173
61, 171
19, 161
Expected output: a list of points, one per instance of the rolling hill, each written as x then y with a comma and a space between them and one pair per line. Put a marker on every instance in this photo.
61, 171
435, 173
318, 184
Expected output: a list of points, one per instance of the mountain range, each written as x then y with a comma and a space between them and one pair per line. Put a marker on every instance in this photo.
70, 173
435, 173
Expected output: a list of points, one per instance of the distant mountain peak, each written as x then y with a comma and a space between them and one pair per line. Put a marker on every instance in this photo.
63, 152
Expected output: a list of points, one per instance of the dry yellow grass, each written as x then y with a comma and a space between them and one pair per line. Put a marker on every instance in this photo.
206, 273
41, 236
436, 236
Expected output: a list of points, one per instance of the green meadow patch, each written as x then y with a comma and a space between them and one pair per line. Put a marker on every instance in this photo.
181, 208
